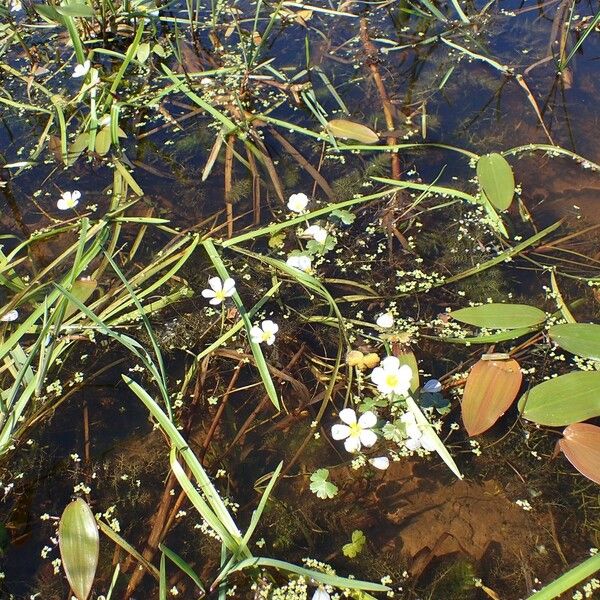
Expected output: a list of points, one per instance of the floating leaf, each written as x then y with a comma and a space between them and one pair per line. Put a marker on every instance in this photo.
80, 143
76, 10
500, 316
582, 339
143, 52
496, 179
581, 446
320, 485
344, 129
345, 216
82, 289
563, 400
356, 545
79, 547
491, 388
103, 141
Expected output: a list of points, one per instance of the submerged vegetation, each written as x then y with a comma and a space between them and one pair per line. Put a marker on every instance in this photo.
297, 300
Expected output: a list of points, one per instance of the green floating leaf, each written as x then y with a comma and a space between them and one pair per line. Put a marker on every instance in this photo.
103, 141
143, 52
567, 399
496, 179
79, 547
500, 316
76, 10
582, 339
320, 485
345, 216
349, 130
352, 549
82, 289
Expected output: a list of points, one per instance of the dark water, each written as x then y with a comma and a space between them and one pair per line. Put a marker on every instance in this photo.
454, 100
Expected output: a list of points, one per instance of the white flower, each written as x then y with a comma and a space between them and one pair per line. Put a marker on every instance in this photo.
355, 433
317, 233
10, 316
68, 200
321, 594
385, 321
416, 438
265, 333
297, 203
391, 378
219, 290
380, 462
81, 70
15, 5
300, 261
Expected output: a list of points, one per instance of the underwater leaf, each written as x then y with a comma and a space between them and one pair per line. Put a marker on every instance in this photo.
82, 289
500, 316
76, 10
79, 547
496, 179
352, 549
344, 129
103, 141
491, 388
143, 52
582, 339
563, 400
345, 216
320, 485
581, 446
80, 143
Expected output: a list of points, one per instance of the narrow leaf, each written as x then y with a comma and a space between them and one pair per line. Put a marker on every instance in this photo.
581, 446
491, 388
79, 547
500, 316
344, 129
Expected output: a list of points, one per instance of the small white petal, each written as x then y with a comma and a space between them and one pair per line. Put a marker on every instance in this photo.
413, 444
229, 287
269, 326
385, 321
380, 462
368, 420
352, 444
256, 334
215, 283
10, 316
368, 438
340, 432
391, 363
378, 375
348, 416
428, 442
208, 293
297, 202
321, 594
215, 301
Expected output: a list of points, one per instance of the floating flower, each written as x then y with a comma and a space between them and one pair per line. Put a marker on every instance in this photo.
391, 378
265, 333
10, 316
355, 433
317, 233
355, 358
299, 261
380, 462
297, 203
321, 594
219, 290
15, 5
68, 200
416, 438
385, 321
81, 70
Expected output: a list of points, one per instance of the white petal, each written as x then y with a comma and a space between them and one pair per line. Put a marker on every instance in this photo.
405, 373
256, 334
352, 444
413, 431
380, 462
215, 301
428, 442
75, 195
378, 375
348, 416
340, 432
208, 293
385, 321
321, 594
413, 444
408, 419
229, 287
368, 438
368, 420
270, 340
390, 363
215, 283
270, 327
11, 315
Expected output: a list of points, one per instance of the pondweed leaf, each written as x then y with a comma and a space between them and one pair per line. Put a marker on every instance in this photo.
79, 547
352, 549
491, 388
496, 179
567, 399
582, 339
500, 316
349, 130
581, 446
320, 485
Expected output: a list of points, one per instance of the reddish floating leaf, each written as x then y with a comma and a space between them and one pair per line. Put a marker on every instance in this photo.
581, 446
491, 388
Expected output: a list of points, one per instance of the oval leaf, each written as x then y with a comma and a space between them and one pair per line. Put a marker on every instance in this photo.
500, 316
496, 179
143, 52
76, 10
79, 547
491, 388
563, 400
343, 129
581, 446
582, 339
82, 289
103, 141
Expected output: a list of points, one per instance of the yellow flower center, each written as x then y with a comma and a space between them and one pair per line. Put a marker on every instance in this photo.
266, 335
220, 295
355, 430
391, 380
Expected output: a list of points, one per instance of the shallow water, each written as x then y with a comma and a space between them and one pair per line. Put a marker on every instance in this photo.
418, 519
